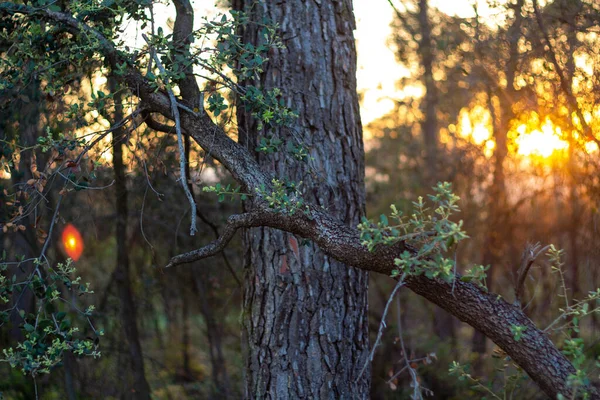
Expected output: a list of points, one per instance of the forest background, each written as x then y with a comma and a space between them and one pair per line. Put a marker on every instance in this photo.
498, 98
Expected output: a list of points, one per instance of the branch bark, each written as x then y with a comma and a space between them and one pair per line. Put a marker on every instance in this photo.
486, 312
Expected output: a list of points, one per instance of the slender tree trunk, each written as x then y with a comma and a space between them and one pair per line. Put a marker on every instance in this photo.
213, 328
498, 219
185, 340
214, 334
69, 381
429, 126
305, 314
575, 220
443, 323
24, 243
141, 389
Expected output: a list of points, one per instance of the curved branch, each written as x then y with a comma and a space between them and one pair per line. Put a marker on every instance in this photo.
487, 312
234, 223
155, 125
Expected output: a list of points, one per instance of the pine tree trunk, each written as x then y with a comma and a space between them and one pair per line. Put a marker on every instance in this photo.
140, 388
305, 314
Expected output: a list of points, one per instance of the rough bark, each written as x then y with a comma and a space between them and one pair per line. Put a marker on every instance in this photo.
305, 321
140, 388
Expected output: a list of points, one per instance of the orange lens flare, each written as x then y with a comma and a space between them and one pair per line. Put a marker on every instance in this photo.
72, 242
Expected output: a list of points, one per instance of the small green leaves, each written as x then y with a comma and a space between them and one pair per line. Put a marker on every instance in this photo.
432, 233
518, 331
49, 332
476, 274
267, 107
216, 103
285, 197
384, 221
268, 145
223, 191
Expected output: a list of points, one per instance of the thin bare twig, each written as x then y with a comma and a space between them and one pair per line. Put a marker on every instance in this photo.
416, 385
182, 160
531, 253
234, 223
382, 325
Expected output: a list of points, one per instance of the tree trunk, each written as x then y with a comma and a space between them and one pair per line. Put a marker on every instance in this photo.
575, 206
498, 222
443, 323
429, 126
305, 314
214, 335
24, 243
140, 389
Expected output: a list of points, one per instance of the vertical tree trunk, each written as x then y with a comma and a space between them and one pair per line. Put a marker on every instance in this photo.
24, 243
499, 225
141, 389
214, 334
214, 328
575, 206
429, 126
305, 319
443, 323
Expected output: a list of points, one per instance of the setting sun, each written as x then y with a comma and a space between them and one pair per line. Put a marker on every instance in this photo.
539, 142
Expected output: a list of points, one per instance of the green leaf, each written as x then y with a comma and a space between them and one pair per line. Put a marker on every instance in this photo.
384, 220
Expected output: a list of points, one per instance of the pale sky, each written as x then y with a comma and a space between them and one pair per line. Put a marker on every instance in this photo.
378, 71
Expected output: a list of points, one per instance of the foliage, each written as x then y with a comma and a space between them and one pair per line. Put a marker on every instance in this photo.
286, 197
431, 231
573, 346
49, 332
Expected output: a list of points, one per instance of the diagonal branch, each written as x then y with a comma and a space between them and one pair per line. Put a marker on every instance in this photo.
486, 312
234, 223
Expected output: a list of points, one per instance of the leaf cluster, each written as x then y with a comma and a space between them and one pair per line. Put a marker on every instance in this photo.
428, 229
49, 331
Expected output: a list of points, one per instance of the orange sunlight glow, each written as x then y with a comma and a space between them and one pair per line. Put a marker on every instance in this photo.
531, 139
540, 142
72, 242
474, 125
